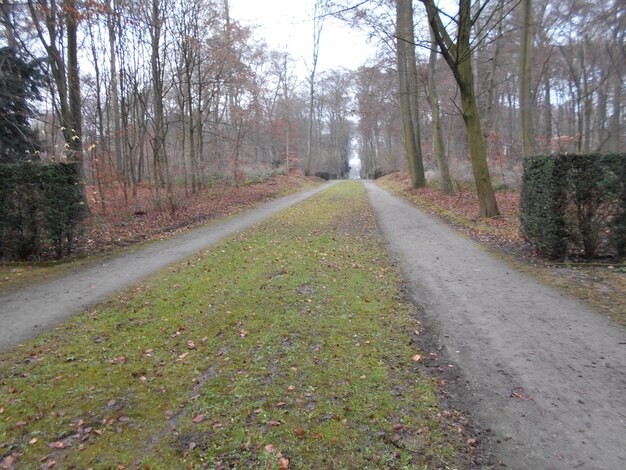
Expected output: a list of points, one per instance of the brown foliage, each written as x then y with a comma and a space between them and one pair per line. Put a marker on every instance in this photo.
152, 216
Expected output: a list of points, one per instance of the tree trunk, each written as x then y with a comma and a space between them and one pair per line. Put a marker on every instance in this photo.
491, 85
158, 142
115, 97
458, 56
318, 24
526, 105
616, 135
73, 80
406, 87
433, 98
547, 109
471, 118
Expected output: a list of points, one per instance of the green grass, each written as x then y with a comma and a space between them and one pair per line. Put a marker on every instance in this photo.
290, 341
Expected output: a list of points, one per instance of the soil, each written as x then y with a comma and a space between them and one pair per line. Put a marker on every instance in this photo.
541, 374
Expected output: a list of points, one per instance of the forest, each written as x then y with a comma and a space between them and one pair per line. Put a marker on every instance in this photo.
175, 95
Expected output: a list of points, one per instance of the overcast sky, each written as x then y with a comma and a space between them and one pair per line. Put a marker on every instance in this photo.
288, 24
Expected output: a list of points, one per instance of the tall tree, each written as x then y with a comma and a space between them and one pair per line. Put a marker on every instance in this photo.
525, 97
407, 89
59, 36
319, 16
433, 99
458, 54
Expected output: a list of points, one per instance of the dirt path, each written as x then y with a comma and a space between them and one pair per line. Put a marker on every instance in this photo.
544, 376
27, 312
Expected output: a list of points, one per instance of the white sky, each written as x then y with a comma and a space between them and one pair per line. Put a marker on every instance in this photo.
288, 24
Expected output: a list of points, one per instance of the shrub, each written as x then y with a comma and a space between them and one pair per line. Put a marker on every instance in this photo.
41, 206
574, 203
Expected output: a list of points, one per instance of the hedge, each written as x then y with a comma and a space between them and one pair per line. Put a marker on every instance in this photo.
575, 204
41, 207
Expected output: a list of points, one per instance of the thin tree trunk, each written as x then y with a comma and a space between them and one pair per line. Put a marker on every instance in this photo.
458, 56
115, 99
547, 107
405, 87
491, 86
526, 105
433, 98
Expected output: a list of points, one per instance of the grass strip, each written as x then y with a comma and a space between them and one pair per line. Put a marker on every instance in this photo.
287, 346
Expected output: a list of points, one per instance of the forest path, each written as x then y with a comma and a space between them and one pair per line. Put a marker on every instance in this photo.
27, 312
543, 375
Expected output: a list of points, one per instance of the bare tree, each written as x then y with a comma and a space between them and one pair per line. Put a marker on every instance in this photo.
433, 99
319, 16
458, 54
407, 89
525, 97
56, 26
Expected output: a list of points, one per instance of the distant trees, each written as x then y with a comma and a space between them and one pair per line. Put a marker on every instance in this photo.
177, 93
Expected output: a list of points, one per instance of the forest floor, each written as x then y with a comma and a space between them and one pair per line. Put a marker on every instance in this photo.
601, 284
288, 345
116, 222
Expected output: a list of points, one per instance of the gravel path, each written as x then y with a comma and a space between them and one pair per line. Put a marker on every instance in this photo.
542, 374
30, 311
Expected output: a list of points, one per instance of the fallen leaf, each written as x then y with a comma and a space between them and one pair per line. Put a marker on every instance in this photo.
243, 333
291, 388
417, 358
191, 344
49, 464
274, 422
118, 360
183, 356
1, 409
33, 441
21, 424
270, 448
57, 445
280, 404
299, 432
198, 418
283, 464
471, 441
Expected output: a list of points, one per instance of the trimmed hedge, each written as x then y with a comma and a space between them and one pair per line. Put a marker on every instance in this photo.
41, 205
572, 204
